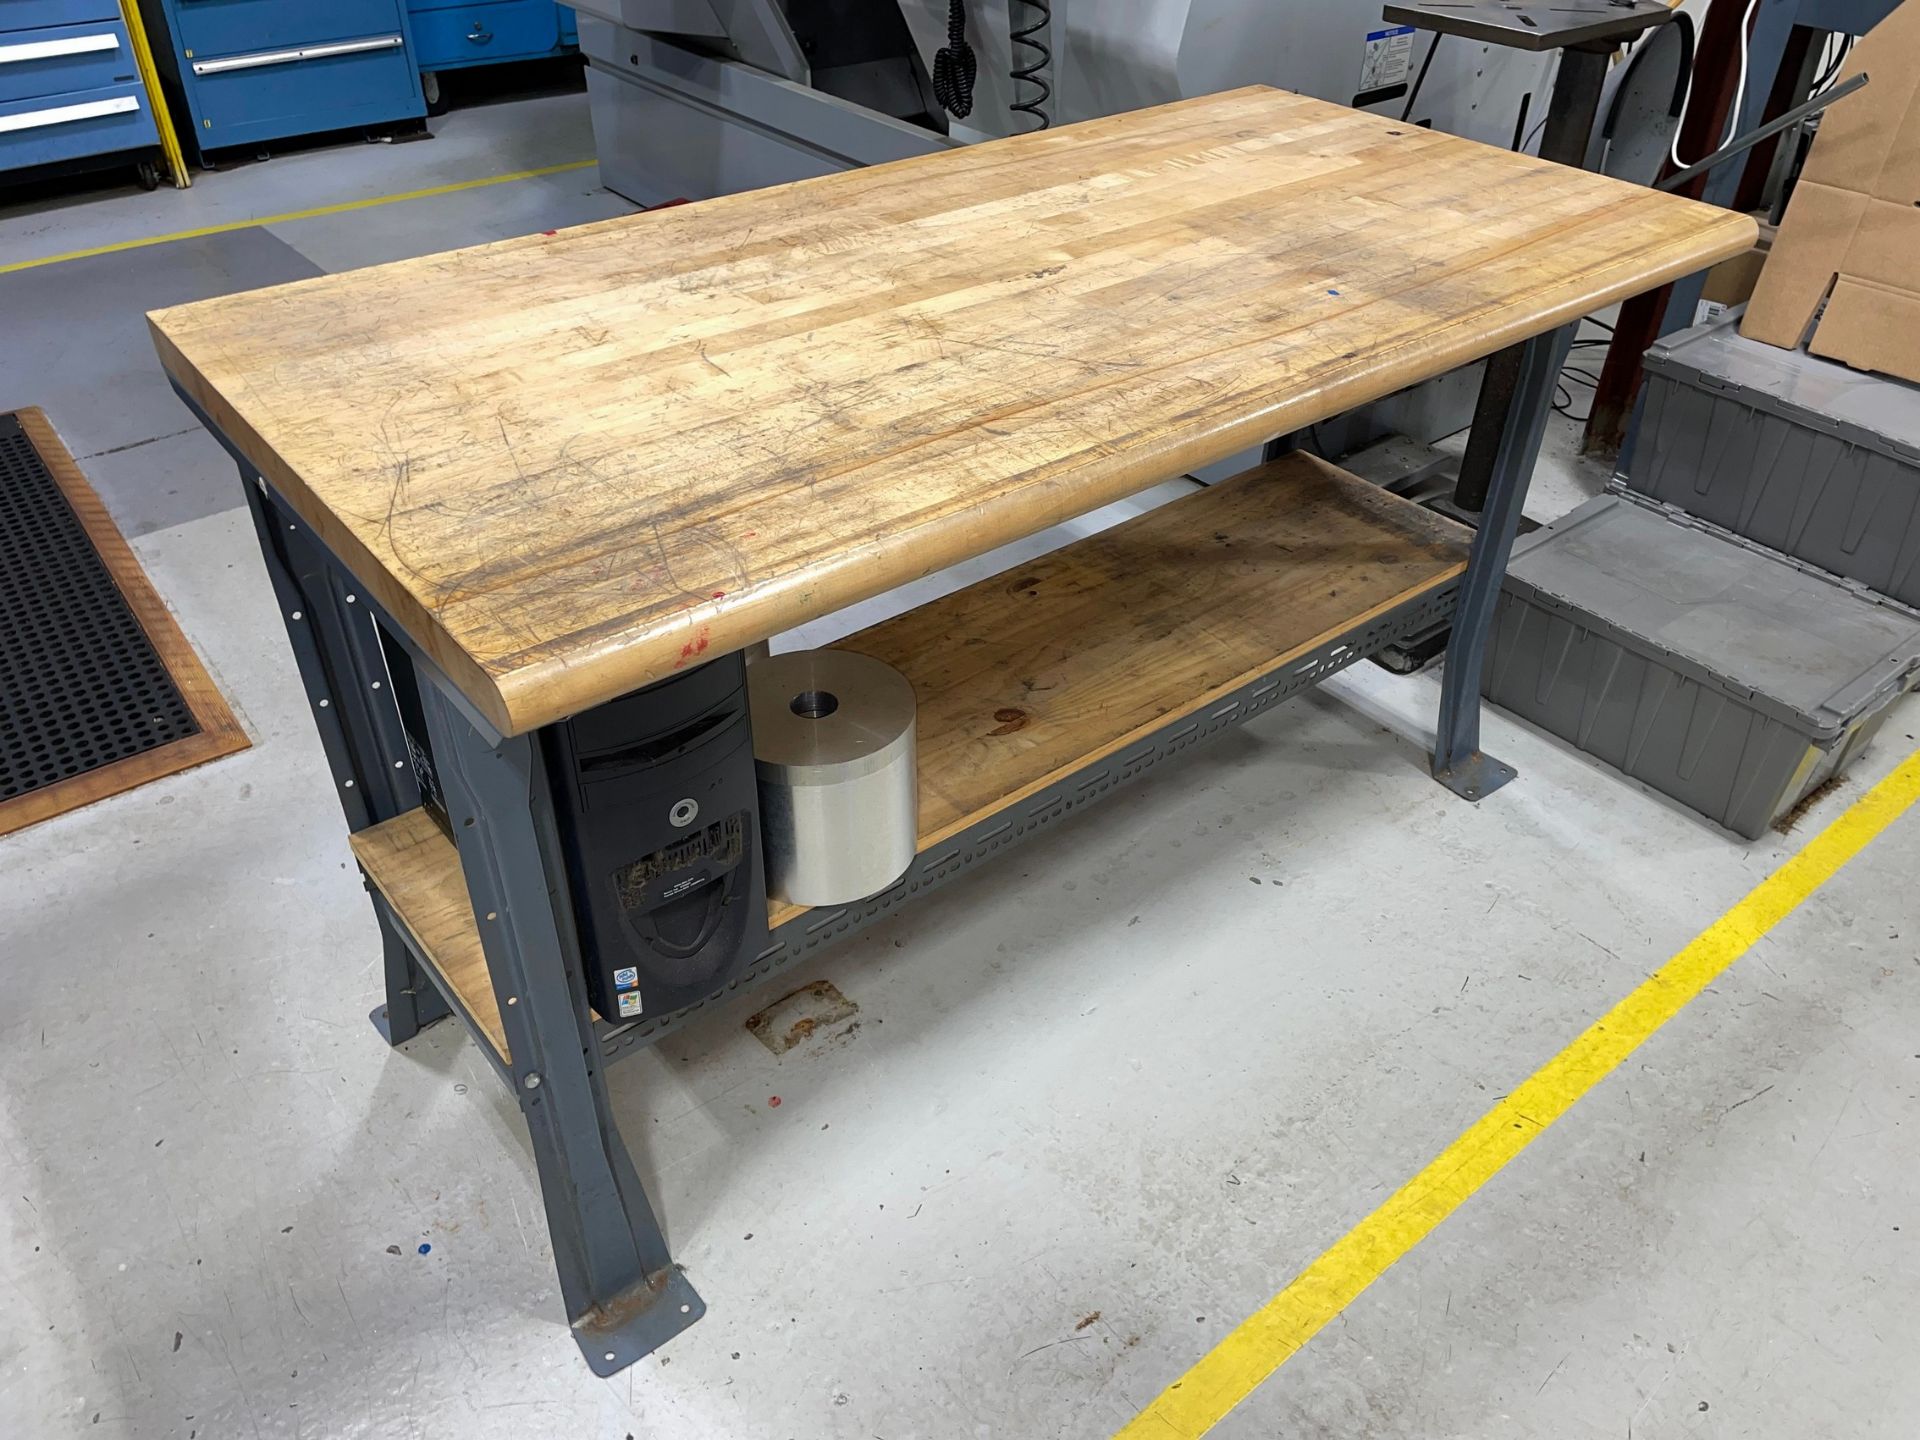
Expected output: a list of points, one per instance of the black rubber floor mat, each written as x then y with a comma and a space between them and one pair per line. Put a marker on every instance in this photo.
81, 685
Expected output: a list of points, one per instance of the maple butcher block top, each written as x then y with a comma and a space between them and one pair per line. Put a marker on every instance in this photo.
569, 465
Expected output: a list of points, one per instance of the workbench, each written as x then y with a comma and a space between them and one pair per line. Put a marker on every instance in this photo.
543, 473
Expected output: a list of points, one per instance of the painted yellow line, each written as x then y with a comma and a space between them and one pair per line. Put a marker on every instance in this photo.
156, 97
310, 214
1201, 1398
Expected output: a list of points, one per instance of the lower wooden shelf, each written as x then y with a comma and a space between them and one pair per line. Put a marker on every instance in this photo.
414, 865
1028, 676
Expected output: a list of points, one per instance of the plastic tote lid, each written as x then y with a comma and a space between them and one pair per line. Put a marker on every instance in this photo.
1876, 411
1797, 646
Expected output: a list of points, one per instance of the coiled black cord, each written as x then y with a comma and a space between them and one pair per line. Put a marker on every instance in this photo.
954, 65
1031, 69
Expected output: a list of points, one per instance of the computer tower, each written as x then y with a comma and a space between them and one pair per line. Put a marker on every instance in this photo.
658, 817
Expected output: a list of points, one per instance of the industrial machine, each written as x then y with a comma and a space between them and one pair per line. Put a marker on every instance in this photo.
696, 98
693, 98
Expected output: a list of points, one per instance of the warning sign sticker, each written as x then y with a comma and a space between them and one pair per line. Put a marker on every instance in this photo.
1389, 59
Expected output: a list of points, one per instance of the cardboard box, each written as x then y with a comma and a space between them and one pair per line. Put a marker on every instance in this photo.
1731, 282
1852, 232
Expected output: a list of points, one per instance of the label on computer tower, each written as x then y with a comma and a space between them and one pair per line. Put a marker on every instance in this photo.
629, 1005
626, 979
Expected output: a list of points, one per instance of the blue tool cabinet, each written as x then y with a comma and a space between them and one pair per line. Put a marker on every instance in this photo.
453, 34
70, 88
247, 71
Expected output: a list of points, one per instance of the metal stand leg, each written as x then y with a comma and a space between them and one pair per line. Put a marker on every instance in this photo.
624, 1295
412, 1001
1458, 762
1570, 113
337, 648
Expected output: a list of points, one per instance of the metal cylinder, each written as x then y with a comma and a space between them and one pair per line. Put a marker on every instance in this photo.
833, 744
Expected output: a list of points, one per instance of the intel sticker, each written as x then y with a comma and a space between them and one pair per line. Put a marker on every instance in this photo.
626, 979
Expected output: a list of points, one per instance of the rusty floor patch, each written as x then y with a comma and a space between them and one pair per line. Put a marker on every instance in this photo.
1784, 825
794, 1019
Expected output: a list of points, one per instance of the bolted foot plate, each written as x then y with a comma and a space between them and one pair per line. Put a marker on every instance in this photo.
631, 1328
1477, 776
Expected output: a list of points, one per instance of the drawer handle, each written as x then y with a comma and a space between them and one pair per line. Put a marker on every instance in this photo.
62, 114
480, 35
49, 49
289, 57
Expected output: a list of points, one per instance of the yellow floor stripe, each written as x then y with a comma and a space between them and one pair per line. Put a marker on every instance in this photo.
310, 214
1201, 1398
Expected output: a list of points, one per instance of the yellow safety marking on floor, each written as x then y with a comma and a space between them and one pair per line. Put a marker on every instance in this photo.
1201, 1398
309, 214
156, 97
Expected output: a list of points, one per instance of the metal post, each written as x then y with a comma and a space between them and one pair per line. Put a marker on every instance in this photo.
1569, 126
624, 1296
1457, 759
338, 654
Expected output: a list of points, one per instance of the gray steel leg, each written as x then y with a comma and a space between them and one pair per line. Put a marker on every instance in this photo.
624, 1295
337, 648
1570, 115
1458, 762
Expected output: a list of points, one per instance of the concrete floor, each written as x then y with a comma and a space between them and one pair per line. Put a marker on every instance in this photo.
1149, 1070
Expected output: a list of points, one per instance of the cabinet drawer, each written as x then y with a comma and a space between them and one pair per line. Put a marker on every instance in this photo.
71, 126
40, 14
263, 95
481, 34
68, 57
205, 29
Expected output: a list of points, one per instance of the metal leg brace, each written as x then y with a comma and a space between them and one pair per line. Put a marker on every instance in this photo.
337, 648
624, 1296
1458, 762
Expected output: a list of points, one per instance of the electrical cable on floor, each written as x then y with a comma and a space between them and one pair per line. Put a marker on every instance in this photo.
1032, 70
955, 66
1571, 375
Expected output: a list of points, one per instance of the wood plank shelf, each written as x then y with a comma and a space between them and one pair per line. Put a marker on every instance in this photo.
1029, 676
415, 867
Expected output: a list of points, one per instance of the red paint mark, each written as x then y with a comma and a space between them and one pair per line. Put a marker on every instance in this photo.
752, 533
718, 594
696, 646
549, 232
773, 1102
669, 204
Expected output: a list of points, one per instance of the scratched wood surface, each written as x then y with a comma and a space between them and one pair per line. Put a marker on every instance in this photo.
1025, 677
570, 464
1031, 675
